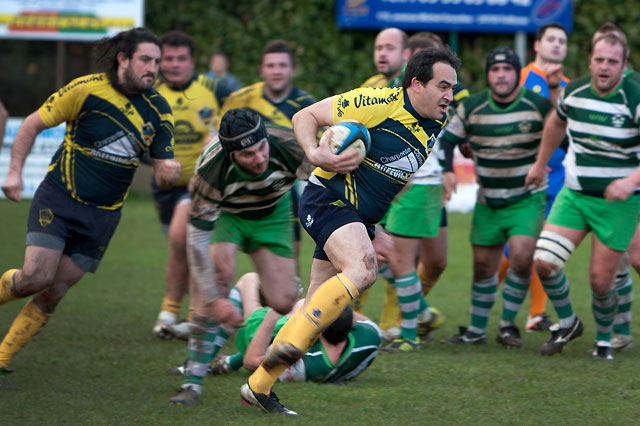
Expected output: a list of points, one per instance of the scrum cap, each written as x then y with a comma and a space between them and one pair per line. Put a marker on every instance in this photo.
241, 128
503, 54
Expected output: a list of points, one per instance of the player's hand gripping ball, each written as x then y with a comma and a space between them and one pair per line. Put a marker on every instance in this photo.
348, 135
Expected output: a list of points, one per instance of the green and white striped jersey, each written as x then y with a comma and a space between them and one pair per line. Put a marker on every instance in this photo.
504, 141
219, 184
604, 138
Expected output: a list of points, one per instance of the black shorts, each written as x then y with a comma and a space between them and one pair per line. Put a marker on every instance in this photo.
322, 212
166, 200
58, 222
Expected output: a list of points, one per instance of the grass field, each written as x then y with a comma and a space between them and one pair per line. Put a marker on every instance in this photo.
97, 363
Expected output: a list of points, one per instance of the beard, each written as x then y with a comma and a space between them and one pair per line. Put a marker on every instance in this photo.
135, 85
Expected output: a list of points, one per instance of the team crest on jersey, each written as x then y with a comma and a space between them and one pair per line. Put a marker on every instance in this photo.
128, 109
46, 217
617, 120
342, 104
206, 116
524, 126
148, 133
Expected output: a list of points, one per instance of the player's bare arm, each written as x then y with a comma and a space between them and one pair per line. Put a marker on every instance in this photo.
167, 172
552, 135
22, 144
305, 127
257, 349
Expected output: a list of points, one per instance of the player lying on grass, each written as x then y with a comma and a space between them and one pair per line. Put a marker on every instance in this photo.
343, 351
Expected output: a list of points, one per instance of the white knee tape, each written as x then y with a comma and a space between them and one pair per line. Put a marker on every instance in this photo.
554, 249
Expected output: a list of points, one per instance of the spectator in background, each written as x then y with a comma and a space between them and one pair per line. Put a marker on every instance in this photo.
219, 70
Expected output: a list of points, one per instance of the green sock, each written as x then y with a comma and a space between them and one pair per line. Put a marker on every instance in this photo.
483, 295
514, 290
201, 350
604, 308
624, 294
557, 288
409, 290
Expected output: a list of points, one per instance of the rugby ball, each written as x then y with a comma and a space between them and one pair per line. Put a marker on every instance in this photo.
348, 135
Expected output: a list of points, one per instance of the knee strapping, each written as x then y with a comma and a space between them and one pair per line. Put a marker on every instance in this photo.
553, 249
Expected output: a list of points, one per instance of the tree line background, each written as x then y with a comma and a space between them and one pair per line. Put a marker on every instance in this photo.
332, 60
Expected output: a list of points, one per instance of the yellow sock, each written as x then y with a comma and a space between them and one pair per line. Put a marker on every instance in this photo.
391, 315
358, 303
171, 306
26, 325
325, 305
427, 281
7, 293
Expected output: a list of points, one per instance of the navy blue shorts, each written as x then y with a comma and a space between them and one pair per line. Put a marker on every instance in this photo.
295, 207
166, 200
322, 212
58, 222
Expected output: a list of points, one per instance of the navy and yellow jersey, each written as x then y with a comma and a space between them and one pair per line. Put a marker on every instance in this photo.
195, 111
107, 133
279, 113
219, 184
401, 141
379, 81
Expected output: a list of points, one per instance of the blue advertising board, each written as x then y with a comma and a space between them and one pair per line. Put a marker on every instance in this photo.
504, 16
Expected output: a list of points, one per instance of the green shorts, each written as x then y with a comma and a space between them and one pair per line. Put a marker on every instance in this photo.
416, 212
273, 232
493, 226
246, 333
612, 223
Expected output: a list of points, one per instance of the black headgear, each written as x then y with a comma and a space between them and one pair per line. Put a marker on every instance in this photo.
503, 54
241, 128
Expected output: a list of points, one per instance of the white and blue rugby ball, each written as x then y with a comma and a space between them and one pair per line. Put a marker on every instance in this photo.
349, 135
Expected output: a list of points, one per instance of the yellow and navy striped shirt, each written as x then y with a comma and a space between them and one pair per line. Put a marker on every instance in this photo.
107, 133
401, 141
278, 113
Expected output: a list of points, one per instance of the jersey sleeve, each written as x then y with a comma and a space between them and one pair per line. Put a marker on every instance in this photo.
355, 105
456, 129
65, 104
